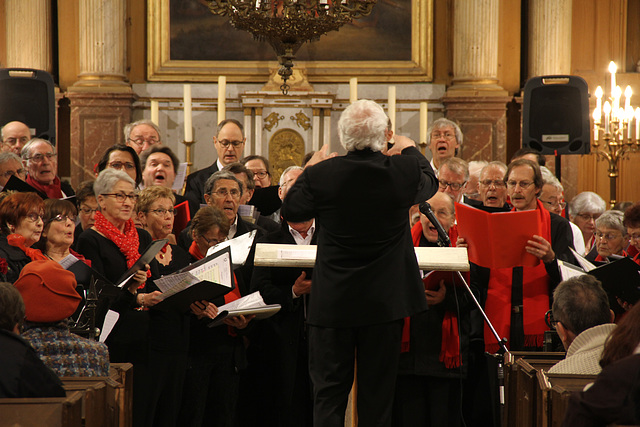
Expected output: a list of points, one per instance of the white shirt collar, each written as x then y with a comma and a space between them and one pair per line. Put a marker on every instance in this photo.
303, 240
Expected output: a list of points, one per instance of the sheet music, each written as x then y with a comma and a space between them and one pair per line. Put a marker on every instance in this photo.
252, 300
309, 253
68, 261
584, 263
568, 271
110, 321
178, 182
240, 247
177, 282
215, 271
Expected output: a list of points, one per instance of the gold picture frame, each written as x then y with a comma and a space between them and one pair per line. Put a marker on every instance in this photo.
416, 65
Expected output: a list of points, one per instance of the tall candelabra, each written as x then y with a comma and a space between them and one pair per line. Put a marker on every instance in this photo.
616, 129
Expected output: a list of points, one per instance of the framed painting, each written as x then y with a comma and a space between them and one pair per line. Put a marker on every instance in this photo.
187, 42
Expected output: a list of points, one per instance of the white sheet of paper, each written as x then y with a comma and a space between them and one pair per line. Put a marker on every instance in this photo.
584, 263
308, 253
240, 247
215, 271
121, 284
110, 321
68, 261
180, 177
172, 284
567, 272
253, 300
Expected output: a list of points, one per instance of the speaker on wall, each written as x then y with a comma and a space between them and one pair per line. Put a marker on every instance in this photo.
27, 96
556, 115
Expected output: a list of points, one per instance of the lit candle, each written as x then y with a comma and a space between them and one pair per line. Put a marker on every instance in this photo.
424, 122
637, 124
596, 120
612, 69
353, 89
392, 107
628, 116
188, 131
222, 98
154, 111
599, 94
607, 112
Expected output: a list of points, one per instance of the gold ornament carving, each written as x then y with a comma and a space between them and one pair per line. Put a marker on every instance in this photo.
302, 120
272, 121
286, 148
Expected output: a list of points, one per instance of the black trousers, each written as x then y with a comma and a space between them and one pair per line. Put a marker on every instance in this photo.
333, 354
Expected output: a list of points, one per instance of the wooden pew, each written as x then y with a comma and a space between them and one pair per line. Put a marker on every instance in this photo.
553, 395
520, 370
43, 411
123, 374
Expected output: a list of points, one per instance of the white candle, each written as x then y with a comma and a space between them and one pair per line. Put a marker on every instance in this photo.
392, 108
612, 69
154, 111
596, 120
637, 124
607, 111
424, 122
353, 89
222, 98
188, 131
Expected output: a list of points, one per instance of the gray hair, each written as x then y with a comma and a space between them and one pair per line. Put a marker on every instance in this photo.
612, 219
443, 123
476, 166
27, 147
108, 178
549, 178
587, 202
287, 170
580, 303
497, 164
362, 125
128, 128
9, 155
217, 176
457, 166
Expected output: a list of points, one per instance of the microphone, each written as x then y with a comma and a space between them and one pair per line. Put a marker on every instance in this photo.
425, 209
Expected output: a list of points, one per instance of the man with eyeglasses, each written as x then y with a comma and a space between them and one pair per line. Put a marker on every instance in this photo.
444, 139
452, 178
87, 208
40, 159
229, 143
14, 136
141, 135
519, 297
10, 165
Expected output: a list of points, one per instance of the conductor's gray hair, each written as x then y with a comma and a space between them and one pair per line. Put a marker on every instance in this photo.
362, 125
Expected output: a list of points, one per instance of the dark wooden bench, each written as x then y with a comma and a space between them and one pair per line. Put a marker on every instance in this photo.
553, 395
43, 411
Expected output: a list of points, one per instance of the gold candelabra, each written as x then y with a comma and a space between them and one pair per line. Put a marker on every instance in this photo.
287, 24
616, 129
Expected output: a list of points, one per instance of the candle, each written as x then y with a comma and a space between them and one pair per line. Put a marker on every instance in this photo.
637, 124
392, 108
612, 69
353, 89
607, 111
596, 120
424, 122
617, 93
222, 98
188, 131
154, 111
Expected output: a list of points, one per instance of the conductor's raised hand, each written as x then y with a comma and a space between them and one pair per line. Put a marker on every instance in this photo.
320, 155
400, 143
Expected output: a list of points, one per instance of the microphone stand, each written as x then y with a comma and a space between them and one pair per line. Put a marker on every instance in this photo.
425, 209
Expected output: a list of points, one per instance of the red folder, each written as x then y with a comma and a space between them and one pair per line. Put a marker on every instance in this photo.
498, 240
183, 216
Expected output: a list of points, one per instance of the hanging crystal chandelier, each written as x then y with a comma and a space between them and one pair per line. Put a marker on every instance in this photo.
287, 24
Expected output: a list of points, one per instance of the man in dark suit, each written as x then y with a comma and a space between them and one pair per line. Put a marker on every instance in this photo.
229, 142
366, 277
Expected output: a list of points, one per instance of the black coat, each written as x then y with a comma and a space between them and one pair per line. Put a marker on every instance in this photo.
16, 259
194, 190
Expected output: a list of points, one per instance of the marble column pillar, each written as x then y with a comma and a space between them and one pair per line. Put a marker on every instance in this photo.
549, 37
28, 31
102, 46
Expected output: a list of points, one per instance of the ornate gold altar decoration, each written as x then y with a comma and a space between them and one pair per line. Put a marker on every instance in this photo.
272, 121
302, 120
616, 129
286, 148
287, 24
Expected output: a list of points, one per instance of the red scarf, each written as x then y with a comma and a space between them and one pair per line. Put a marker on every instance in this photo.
53, 190
535, 297
17, 240
195, 251
450, 345
637, 259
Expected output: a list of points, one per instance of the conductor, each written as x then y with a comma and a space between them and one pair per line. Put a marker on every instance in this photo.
366, 277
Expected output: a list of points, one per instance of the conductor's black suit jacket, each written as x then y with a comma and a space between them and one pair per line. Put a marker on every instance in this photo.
366, 270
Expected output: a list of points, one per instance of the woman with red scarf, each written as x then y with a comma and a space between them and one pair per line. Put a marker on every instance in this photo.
21, 224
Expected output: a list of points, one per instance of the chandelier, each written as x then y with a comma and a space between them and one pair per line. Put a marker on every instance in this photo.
616, 127
287, 24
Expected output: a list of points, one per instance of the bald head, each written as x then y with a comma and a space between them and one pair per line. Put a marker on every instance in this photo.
14, 136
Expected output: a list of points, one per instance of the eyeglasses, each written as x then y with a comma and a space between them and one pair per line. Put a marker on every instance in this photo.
12, 141
498, 183
88, 211
162, 212
140, 141
121, 197
587, 217
448, 136
225, 143
608, 236
562, 205
9, 174
223, 192
34, 217
119, 165
549, 320
453, 185
39, 158
260, 174
522, 184
62, 218
211, 242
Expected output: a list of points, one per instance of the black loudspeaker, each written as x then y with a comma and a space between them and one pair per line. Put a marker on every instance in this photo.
28, 96
556, 115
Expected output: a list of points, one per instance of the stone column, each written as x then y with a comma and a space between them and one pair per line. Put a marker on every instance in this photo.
28, 30
102, 46
549, 37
